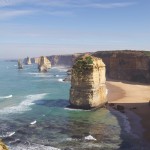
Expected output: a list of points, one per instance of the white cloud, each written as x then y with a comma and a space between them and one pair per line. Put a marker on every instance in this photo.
84, 4
5, 14
5, 3
109, 5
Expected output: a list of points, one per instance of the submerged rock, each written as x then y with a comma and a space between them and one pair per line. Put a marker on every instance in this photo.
44, 64
20, 66
88, 89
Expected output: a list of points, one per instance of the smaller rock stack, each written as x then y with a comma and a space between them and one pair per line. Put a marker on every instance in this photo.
20, 66
44, 64
88, 89
27, 61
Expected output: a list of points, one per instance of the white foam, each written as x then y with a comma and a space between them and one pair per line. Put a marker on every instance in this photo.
32, 147
40, 75
5, 97
24, 105
90, 137
60, 80
60, 68
73, 109
8, 134
34, 122
56, 75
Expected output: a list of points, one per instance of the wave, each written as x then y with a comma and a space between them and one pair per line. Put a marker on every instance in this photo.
90, 137
40, 75
60, 80
24, 105
61, 68
73, 109
32, 147
7, 134
34, 122
6, 97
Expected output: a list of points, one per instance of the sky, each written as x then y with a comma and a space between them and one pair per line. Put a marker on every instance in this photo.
47, 27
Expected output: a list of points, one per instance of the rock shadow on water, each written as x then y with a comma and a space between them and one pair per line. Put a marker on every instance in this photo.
60, 103
129, 136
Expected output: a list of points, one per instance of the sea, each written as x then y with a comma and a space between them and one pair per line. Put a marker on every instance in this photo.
34, 115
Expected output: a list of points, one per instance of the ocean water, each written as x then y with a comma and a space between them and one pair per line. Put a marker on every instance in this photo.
33, 115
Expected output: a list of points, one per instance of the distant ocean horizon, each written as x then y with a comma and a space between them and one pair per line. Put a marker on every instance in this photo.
34, 115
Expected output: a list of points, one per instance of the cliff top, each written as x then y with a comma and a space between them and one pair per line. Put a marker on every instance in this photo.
88, 62
129, 53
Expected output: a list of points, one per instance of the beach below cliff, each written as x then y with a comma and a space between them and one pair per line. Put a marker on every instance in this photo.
134, 97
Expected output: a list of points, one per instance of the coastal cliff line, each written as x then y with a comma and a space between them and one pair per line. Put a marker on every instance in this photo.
128, 65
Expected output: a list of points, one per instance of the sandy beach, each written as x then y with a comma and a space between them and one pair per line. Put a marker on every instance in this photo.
134, 97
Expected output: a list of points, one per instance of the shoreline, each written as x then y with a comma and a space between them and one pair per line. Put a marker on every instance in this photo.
134, 98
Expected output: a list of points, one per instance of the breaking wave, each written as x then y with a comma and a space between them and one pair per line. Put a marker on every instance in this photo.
5, 97
33, 147
24, 105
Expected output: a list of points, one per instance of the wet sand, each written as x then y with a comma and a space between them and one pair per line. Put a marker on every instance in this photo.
134, 97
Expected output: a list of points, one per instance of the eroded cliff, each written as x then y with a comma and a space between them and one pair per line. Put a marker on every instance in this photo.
127, 65
88, 88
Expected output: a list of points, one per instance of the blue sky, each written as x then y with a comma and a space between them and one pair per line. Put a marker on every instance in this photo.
47, 27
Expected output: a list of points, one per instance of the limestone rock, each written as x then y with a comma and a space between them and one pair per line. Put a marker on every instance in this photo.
3, 146
127, 65
44, 64
27, 61
20, 66
88, 89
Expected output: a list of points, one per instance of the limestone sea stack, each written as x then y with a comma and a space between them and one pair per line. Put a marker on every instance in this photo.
20, 66
88, 89
44, 64
28, 61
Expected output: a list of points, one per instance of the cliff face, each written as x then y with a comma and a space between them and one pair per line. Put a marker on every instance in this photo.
43, 64
88, 88
126, 65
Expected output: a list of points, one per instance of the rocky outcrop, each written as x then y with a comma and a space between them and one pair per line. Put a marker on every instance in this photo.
27, 61
43, 64
20, 66
127, 65
3, 146
88, 88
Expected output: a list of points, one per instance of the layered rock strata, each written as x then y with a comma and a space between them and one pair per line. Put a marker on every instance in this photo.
128, 65
88, 89
43, 64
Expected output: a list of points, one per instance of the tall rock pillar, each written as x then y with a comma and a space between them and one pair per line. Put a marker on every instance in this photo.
88, 89
44, 64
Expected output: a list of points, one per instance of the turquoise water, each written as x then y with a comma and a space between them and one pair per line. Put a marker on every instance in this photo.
27, 96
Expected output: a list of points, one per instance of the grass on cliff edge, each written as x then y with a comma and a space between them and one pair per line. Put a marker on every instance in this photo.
83, 63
